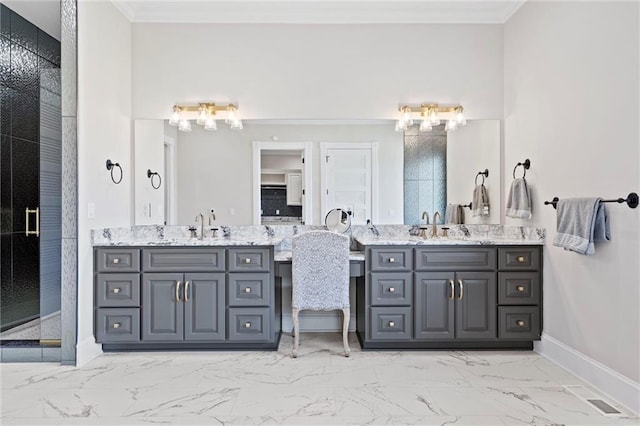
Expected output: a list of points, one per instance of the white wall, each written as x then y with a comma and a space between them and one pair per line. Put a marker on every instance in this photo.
215, 168
149, 155
470, 149
281, 161
572, 107
317, 71
104, 132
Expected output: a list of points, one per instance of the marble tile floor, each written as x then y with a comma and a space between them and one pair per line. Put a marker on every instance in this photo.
321, 387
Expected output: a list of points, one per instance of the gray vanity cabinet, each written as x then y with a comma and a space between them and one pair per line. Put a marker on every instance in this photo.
476, 305
435, 306
180, 307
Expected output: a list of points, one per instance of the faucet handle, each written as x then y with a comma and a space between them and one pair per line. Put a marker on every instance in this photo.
193, 230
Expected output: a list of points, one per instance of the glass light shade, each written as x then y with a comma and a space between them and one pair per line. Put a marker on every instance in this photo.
184, 126
433, 117
406, 117
236, 124
174, 120
400, 126
203, 114
232, 115
460, 116
210, 124
451, 125
425, 125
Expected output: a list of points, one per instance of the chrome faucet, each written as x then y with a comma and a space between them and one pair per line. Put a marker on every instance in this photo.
201, 217
425, 215
434, 232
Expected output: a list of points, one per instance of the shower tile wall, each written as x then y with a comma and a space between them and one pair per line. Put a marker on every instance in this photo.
425, 173
26, 53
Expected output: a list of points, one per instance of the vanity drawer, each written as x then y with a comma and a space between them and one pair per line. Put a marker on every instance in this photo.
182, 259
519, 322
117, 290
518, 288
249, 324
515, 258
118, 260
391, 259
249, 259
391, 288
391, 323
455, 259
249, 289
117, 325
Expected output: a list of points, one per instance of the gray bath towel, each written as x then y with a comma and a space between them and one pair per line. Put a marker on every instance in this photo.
519, 200
454, 214
480, 203
581, 222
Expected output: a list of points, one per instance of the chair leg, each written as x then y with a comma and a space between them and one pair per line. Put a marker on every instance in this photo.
296, 333
345, 331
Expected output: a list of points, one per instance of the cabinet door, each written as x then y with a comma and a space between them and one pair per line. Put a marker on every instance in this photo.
162, 307
434, 305
476, 305
204, 306
294, 189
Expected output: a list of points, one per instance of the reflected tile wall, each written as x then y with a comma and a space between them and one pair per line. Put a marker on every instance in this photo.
425, 173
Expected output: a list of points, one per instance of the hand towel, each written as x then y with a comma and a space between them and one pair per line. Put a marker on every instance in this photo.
454, 214
519, 200
480, 203
580, 223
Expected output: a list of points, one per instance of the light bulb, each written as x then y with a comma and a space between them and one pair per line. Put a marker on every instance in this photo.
406, 116
433, 116
175, 116
460, 116
210, 124
203, 114
184, 126
425, 125
451, 125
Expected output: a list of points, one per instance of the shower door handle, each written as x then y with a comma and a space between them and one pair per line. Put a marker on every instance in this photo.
27, 212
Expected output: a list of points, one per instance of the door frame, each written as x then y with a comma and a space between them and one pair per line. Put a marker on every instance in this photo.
373, 147
307, 171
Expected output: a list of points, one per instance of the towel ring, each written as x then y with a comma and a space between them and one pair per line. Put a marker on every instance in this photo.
151, 175
483, 174
525, 167
110, 166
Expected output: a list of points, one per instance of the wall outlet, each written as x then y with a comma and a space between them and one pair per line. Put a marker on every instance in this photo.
91, 210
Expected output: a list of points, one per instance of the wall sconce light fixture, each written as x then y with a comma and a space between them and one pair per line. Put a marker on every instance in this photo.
204, 114
151, 175
430, 115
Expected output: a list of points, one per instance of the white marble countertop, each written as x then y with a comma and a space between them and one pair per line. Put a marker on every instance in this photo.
285, 256
440, 241
194, 242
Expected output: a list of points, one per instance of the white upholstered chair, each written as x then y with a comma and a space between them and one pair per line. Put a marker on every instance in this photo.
320, 278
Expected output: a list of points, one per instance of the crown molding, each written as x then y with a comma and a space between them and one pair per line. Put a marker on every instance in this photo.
320, 11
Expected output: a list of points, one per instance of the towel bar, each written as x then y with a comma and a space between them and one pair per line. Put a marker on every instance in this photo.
631, 200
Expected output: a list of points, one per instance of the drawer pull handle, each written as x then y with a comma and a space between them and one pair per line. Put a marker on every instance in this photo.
392, 289
392, 324
453, 289
520, 259
178, 291
520, 288
520, 323
186, 291
116, 325
392, 260
247, 260
247, 290
247, 324
461, 290
115, 261
116, 290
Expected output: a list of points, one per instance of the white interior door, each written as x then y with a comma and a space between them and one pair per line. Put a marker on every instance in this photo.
348, 180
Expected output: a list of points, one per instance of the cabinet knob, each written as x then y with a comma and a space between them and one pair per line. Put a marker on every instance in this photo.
116, 325
115, 261
247, 260
247, 324
520, 288
247, 290
520, 259
520, 323
392, 324
392, 260
116, 290
392, 289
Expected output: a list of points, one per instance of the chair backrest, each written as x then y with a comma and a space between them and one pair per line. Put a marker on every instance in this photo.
320, 271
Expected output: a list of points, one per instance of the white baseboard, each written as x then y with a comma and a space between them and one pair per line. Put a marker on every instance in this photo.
611, 383
318, 321
87, 350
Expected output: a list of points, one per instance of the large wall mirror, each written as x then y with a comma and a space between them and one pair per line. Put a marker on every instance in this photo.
368, 168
